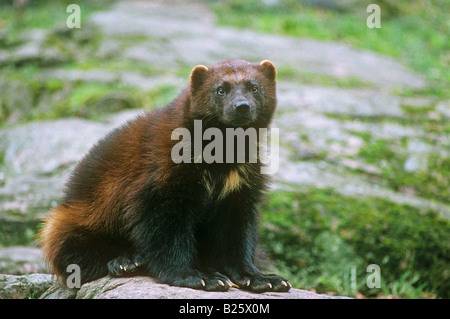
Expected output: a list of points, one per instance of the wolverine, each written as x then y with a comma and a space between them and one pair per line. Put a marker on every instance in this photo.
129, 208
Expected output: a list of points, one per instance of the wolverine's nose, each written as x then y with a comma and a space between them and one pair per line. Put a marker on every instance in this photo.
242, 107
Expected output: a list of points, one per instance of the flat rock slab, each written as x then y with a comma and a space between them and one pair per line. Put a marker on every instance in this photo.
22, 287
21, 261
147, 288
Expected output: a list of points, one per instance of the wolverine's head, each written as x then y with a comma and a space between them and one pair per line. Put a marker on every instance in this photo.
234, 92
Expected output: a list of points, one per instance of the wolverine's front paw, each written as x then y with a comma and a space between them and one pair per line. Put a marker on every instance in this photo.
262, 283
198, 280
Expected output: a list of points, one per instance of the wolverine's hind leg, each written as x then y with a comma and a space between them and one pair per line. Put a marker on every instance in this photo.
126, 265
67, 241
90, 253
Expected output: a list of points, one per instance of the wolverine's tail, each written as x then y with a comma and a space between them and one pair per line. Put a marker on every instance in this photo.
66, 240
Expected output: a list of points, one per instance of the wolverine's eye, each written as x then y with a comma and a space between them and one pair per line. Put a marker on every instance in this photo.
221, 91
254, 89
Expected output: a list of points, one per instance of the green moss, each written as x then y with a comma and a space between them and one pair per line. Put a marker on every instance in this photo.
322, 240
18, 233
2, 158
379, 152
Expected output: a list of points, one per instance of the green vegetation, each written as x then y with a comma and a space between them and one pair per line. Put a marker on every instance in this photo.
322, 240
18, 233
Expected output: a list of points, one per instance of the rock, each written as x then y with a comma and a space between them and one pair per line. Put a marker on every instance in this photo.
147, 288
22, 261
418, 152
4, 58
108, 49
34, 148
76, 75
444, 108
24, 287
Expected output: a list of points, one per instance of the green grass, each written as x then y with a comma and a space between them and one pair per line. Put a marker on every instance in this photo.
324, 241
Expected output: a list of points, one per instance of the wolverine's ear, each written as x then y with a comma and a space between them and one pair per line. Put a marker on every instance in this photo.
268, 69
198, 76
